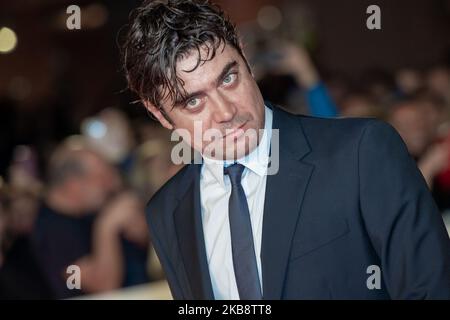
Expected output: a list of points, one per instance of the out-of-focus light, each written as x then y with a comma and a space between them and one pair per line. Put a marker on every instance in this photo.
95, 15
8, 40
269, 17
96, 129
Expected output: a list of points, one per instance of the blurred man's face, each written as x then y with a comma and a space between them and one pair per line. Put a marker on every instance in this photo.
98, 183
438, 81
408, 80
222, 96
411, 123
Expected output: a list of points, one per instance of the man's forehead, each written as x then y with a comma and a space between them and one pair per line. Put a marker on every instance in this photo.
188, 62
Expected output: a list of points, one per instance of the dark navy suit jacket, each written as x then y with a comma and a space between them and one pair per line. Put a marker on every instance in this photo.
347, 196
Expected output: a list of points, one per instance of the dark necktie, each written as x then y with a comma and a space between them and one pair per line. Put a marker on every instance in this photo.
244, 259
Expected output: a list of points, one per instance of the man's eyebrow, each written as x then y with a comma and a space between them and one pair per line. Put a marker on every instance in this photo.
219, 79
230, 65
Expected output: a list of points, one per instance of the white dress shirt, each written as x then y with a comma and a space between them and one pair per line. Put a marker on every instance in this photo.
215, 190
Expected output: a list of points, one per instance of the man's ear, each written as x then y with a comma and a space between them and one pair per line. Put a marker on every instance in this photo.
158, 114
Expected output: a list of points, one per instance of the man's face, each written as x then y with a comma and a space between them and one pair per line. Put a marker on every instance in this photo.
222, 96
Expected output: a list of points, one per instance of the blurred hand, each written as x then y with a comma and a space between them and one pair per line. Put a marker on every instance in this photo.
296, 60
21, 179
122, 211
435, 160
136, 229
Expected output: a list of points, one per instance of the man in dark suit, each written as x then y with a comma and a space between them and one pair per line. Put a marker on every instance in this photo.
344, 214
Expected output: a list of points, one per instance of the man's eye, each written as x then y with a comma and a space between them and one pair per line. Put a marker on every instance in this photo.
193, 103
229, 79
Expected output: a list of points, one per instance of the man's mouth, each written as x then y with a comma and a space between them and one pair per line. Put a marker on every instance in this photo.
235, 131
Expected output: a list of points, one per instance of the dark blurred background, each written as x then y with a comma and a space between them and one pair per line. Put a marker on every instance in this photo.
65, 113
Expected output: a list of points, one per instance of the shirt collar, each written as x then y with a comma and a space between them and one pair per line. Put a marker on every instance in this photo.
256, 161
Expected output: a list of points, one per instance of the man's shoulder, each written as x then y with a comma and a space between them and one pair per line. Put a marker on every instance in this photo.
341, 130
312, 123
332, 136
167, 195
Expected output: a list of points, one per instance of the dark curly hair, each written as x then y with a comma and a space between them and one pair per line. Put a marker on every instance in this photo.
162, 32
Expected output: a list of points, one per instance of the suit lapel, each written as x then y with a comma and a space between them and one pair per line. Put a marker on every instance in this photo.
284, 196
191, 241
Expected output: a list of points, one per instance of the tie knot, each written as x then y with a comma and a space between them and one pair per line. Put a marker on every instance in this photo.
235, 172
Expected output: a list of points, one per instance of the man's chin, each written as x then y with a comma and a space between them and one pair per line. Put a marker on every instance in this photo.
229, 154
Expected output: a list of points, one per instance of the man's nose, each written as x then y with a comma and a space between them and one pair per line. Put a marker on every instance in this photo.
224, 109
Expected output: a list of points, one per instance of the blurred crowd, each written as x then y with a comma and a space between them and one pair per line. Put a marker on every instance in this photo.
86, 208
81, 201
416, 102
